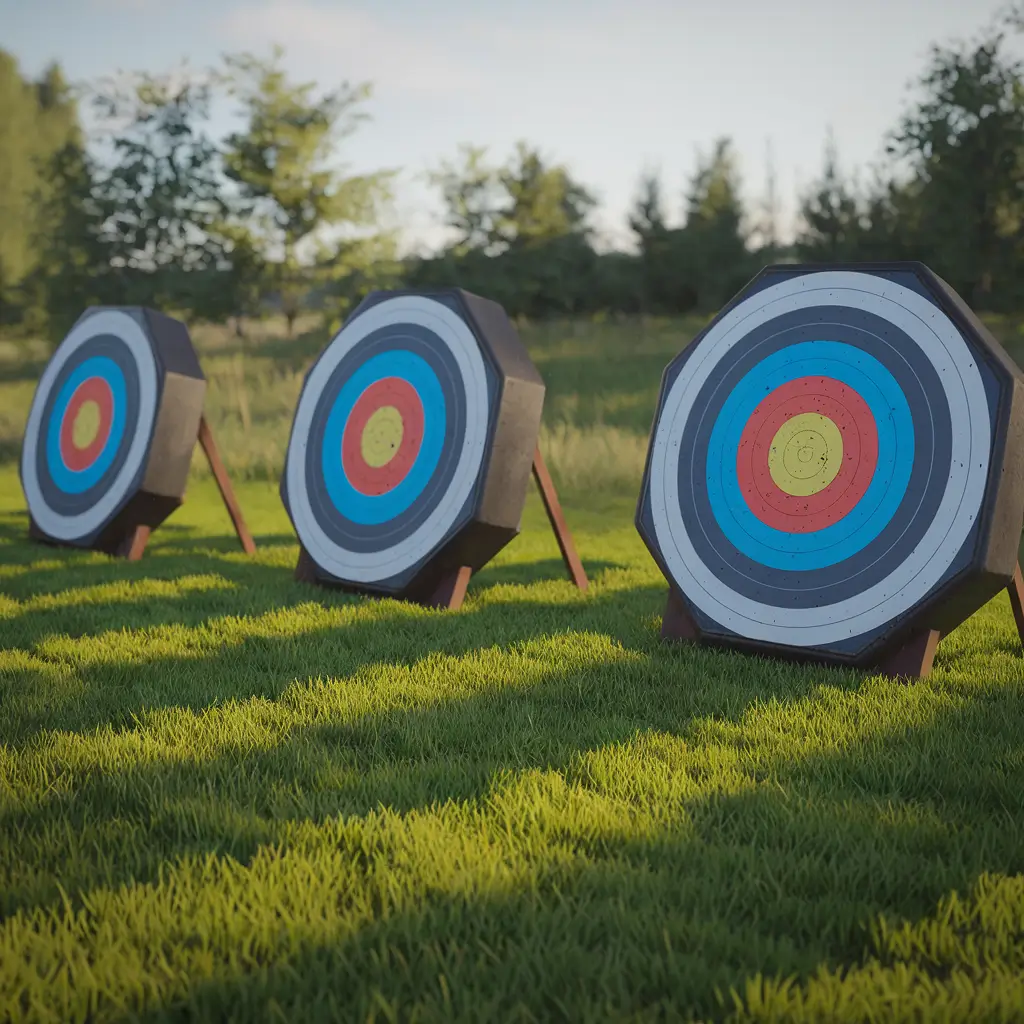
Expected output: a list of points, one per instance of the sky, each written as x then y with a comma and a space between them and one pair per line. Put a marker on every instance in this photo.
607, 87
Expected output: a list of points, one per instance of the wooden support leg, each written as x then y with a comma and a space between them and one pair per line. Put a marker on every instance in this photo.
133, 546
914, 659
451, 591
1016, 592
549, 496
304, 570
227, 492
676, 623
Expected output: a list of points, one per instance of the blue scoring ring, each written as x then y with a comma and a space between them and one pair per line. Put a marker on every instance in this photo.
841, 540
78, 481
372, 510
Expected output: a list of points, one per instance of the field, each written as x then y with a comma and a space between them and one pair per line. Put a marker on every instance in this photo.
227, 795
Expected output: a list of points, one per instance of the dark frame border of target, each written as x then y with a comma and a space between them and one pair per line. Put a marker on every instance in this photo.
111, 430
836, 470
411, 448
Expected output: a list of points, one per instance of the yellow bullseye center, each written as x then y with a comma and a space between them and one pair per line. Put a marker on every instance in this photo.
806, 454
86, 425
382, 436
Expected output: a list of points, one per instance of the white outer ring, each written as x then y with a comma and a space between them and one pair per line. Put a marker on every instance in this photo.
369, 567
910, 581
123, 327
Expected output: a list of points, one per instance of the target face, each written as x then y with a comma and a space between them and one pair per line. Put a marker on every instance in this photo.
389, 439
89, 426
820, 460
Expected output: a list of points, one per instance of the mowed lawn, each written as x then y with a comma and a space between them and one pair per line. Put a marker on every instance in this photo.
226, 795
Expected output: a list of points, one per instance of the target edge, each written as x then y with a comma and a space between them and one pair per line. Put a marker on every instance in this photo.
411, 577
1007, 419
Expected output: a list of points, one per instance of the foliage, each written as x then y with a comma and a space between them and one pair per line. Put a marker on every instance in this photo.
74, 269
701, 263
648, 222
159, 198
37, 120
833, 220
544, 201
161, 212
964, 145
281, 164
472, 196
952, 193
521, 234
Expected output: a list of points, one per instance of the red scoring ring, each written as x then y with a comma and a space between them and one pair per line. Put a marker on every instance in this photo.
805, 514
94, 389
376, 480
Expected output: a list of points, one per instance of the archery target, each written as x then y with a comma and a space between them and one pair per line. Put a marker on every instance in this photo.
820, 459
388, 439
89, 426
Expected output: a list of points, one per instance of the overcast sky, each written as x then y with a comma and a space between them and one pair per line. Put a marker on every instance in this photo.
606, 86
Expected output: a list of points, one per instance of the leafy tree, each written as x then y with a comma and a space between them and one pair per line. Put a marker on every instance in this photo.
963, 143
353, 268
159, 203
73, 268
521, 234
544, 202
281, 164
36, 120
472, 194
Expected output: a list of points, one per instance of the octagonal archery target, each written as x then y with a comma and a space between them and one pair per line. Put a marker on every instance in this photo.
392, 455
123, 383
826, 458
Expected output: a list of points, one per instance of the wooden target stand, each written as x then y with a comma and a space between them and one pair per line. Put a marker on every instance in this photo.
912, 661
134, 544
450, 592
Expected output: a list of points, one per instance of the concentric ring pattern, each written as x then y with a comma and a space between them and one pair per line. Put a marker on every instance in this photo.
90, 426
388, 439
820, 459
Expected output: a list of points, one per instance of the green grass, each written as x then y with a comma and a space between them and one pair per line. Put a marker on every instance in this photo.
226, 795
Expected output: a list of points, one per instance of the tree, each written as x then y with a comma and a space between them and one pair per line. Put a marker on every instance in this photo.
521, 233
543, 202
159, 204
768, 225
38, 119
282, 166
830, 214
711, 248
647, 221
647, 218
472, 195
963, 143
73, 268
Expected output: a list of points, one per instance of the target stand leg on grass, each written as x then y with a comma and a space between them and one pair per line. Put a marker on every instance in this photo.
836, 470
412, 446
913, 660
451, 589
113, 424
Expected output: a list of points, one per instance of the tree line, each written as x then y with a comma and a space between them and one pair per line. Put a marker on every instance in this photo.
147, 207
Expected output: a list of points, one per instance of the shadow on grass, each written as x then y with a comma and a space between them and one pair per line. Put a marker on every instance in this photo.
778, 878
321, 640
237, 586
